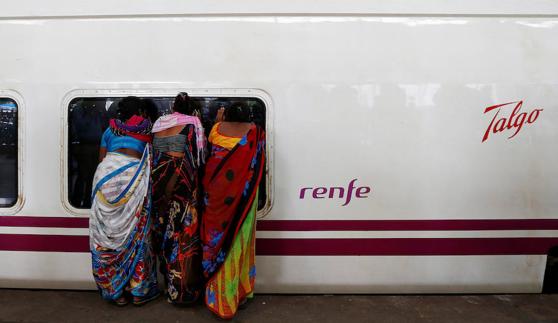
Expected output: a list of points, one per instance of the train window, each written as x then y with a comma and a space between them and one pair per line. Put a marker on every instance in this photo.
8, 153
88, 117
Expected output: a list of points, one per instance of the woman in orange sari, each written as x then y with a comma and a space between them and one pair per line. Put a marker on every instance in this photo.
232, 176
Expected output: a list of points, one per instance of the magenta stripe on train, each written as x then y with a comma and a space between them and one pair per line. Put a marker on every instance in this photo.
323, 247
43, 222
327, 225
407, 225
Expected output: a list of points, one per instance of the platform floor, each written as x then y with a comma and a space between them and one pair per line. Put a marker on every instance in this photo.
85, 306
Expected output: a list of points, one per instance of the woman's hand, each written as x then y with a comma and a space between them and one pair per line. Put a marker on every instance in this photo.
220, 115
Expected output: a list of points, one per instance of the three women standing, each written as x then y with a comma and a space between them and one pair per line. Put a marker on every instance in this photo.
216, 248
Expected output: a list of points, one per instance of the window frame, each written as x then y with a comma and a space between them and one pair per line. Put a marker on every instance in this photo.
193, 92
20, 201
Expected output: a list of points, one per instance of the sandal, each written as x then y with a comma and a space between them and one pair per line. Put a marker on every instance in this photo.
138, 301
244, 303
121, 301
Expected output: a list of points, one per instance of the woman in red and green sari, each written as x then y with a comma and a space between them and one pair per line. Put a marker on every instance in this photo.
232, 176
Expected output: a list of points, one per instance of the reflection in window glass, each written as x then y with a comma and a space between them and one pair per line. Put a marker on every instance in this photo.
8, 152
89, 117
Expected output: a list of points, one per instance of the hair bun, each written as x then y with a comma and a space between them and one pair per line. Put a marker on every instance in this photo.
182, 104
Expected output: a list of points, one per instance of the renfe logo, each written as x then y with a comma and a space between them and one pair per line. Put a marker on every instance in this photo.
515, 120
336, 192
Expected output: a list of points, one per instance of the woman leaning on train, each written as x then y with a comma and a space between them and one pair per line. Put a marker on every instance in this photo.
179, 145
231, 179
120, 225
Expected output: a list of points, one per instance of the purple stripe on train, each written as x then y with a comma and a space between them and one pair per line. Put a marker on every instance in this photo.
323, 247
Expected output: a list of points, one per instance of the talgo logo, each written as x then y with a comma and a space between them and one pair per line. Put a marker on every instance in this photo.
336, 192
515, 121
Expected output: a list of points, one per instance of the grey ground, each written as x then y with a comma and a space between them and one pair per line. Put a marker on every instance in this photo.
80, 306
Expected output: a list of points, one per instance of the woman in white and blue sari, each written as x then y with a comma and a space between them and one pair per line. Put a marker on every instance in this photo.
120, 222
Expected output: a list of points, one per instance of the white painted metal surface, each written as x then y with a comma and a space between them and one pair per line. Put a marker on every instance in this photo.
389, 93
318, 274
396, 274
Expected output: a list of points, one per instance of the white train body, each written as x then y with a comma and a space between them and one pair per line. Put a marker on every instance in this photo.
382, 100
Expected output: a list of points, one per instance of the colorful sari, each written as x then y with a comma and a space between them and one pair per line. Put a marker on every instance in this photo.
120, 227
231, 180
175, 197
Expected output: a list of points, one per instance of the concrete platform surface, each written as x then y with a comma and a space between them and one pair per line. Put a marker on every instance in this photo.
86, 306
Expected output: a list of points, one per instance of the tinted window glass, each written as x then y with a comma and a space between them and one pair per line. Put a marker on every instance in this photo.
89, 117
8, 152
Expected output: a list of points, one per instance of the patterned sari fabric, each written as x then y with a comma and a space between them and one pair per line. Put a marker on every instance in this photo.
228, 224
120, 227
175, 194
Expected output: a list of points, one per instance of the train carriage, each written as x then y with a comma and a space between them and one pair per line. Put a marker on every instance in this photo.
411, 145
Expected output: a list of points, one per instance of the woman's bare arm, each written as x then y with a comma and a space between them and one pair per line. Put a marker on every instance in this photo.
102, 153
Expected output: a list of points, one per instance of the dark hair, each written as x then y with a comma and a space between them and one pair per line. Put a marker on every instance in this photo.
149, 109
182, 104
237, 112
127, 107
